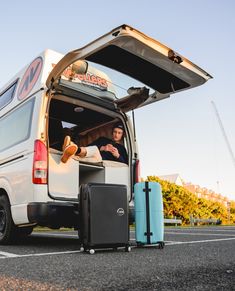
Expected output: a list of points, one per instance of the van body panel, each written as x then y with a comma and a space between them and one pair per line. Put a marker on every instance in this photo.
117, 174
63, 179
19, 214
40, 193
6, 187
19, 176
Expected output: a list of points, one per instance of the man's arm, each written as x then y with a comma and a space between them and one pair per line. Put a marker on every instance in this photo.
120, 154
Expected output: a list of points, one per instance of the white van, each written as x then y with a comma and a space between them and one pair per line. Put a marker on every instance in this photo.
55, 92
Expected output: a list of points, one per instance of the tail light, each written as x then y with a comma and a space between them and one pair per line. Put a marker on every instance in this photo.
137, 171
40, 168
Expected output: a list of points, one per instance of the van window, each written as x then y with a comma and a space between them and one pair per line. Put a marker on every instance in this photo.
15, 127
7, 95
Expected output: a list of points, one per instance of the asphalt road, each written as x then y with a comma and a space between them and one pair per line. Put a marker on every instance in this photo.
193, 259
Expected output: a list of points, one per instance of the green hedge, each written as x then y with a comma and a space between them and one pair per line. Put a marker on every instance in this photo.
181, 203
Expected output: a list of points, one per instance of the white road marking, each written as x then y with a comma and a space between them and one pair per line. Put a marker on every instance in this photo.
198, 233
200, 241
171, 241
8, 255
205, 230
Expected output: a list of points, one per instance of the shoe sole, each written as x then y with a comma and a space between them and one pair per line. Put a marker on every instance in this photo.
68, 153
66, 143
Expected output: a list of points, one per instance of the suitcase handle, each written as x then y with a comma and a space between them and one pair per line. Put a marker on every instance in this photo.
148, 233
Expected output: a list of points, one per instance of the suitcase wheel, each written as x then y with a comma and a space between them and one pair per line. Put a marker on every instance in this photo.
161, 245
91, 251
82, 249
127, 249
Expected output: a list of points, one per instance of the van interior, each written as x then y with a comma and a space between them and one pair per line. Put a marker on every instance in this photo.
84, 125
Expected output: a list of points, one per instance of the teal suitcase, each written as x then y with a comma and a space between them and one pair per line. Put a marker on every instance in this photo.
149, 221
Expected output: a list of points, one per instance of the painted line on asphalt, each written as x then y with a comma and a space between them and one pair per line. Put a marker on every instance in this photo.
201, 228
199, 233
200, 241
9, 255
206, 230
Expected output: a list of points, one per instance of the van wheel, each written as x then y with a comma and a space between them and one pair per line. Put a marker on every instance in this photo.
7, 227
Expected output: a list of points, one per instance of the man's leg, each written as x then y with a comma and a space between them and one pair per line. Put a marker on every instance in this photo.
92, 154
91, 151
70, 149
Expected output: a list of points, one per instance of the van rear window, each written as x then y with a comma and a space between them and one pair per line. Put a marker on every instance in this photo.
7, 95
15, 127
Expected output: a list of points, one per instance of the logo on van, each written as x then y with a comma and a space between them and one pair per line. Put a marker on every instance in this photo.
120, 212
30, 78
88, 78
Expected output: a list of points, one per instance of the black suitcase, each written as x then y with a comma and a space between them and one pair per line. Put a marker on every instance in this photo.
103, 216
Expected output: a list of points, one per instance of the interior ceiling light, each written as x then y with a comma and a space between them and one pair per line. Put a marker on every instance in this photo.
78, 109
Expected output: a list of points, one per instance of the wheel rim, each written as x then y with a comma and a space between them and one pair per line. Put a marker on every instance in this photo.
2, 220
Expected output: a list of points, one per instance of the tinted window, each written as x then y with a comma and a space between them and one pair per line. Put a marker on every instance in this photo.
7, 95
15, 127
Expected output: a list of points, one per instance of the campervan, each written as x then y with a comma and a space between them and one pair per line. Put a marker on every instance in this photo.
78, 91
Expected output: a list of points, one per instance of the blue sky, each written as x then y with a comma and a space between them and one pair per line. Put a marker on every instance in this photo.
177, 135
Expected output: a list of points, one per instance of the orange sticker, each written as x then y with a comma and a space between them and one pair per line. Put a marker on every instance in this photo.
30, 78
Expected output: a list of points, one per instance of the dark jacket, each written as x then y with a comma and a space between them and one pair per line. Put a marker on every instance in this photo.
103, 141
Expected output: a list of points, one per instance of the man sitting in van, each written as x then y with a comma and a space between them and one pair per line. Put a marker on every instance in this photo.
108, 149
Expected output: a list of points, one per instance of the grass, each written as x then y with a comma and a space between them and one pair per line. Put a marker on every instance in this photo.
45, 229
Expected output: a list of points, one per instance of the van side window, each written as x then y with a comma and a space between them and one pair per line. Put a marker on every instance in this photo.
7, 95
15, 127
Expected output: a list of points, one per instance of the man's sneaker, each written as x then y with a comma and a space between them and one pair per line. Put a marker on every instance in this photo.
68, 152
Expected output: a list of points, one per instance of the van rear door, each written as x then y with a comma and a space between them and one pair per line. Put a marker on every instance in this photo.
133, 53
63, 179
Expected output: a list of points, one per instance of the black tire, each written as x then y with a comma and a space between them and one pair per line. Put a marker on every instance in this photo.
7, 226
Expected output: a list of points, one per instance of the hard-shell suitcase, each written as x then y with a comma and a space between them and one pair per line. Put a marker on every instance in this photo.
149, 222
104, 216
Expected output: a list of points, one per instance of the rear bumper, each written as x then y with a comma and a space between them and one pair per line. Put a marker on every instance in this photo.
53, 214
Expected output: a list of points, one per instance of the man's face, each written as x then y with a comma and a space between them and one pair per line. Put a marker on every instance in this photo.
117, 134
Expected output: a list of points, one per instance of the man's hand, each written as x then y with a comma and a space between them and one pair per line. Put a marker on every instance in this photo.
106, 148
110, 148
115, 152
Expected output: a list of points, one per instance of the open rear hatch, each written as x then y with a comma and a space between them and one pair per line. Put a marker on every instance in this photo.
160, 70
132, 53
